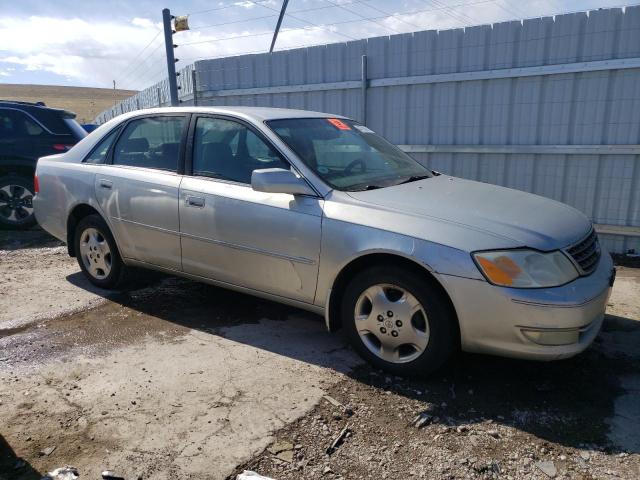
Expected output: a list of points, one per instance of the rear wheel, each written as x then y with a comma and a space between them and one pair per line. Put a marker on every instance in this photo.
97, 253
398, 321
16, 203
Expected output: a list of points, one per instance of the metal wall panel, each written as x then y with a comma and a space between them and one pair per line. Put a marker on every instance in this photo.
551, 107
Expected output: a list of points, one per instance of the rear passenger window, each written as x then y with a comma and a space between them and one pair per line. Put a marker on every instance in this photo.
14, 124
152, 142
99, 153
32, 128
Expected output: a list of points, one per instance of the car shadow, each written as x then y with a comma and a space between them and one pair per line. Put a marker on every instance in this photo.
14, 467
32, 238
567, 402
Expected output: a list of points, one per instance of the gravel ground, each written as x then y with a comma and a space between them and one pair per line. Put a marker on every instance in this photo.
481, 417
529, 426
177, 380
180, 380
39, 281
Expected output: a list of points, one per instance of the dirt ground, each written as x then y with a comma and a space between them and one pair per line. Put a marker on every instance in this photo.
182, 380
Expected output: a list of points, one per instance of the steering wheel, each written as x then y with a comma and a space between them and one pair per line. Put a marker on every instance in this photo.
357, 162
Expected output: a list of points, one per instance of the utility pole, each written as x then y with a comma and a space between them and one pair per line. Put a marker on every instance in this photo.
275, 33
171, 61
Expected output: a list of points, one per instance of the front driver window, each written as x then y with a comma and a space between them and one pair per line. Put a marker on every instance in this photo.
151, 142
230, 151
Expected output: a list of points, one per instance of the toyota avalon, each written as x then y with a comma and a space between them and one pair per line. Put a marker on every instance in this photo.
319, 212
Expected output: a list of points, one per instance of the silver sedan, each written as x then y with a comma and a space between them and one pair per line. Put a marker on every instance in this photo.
317, 211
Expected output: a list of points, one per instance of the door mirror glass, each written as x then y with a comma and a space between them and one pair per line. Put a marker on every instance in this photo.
279, 180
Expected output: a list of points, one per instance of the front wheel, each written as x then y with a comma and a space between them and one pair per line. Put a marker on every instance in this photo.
16, 203
97, 253
398, 321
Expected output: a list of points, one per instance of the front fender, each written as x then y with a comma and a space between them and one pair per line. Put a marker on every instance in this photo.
344, 243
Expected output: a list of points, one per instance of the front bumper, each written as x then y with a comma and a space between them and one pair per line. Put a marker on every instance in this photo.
536, 324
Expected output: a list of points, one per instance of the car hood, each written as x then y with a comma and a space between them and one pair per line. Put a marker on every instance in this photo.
521, 218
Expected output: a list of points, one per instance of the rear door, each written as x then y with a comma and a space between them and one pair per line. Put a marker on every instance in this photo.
138, 189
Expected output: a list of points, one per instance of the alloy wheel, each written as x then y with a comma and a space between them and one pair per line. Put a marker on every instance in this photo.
95, 253
391, 323
16, 204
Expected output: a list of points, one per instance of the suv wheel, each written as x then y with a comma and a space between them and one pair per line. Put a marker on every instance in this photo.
97, 253
398, 321
16, 203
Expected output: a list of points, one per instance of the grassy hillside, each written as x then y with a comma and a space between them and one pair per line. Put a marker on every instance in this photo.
85, 102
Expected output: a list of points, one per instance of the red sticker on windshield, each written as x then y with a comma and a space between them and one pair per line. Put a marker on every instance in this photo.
339, 124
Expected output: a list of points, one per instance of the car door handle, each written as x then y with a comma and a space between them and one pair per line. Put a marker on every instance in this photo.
195, 201
106, 184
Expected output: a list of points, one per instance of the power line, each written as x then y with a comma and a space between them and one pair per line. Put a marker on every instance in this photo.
437, 6
301, 19
232, 37
394, 15
463, 19
324, 26
303, 10
244, 20
224, 7
268, 32
139, 53
139, 78
141, 63
362, 17
511, 10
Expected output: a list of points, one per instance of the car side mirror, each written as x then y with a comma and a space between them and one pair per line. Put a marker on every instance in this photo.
279, 180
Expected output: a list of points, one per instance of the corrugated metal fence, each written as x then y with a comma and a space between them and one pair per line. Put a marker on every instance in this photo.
548, 105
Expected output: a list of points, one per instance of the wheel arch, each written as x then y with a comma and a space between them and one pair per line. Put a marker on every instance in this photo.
356, 265
76, 214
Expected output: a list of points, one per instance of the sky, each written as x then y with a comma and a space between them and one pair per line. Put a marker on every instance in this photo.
92, 43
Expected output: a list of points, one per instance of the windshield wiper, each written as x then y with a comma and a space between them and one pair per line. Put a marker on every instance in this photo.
414, 178
363, 188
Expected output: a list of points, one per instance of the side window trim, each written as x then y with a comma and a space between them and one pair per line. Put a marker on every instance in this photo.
191, 144
117, 130
183, 139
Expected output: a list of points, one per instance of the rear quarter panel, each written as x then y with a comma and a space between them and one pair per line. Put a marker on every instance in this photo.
66, 182
63, 185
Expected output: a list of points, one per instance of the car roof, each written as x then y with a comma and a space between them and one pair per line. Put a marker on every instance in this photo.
33, 108
254, 113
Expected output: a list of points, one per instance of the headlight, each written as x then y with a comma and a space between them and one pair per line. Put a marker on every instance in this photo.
525, 268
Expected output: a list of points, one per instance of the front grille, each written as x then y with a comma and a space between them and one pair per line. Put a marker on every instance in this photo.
586, 253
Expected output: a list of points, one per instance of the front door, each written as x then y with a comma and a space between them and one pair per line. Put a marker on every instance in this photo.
233, 234
139, 189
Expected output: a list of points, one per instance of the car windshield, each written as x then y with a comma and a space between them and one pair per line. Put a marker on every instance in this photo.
347, 155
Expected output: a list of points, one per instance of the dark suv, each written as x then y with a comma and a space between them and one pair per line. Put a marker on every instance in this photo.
29, 131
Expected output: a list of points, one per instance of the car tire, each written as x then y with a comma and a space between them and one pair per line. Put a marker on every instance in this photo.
398, 320
97, 253
16, 203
